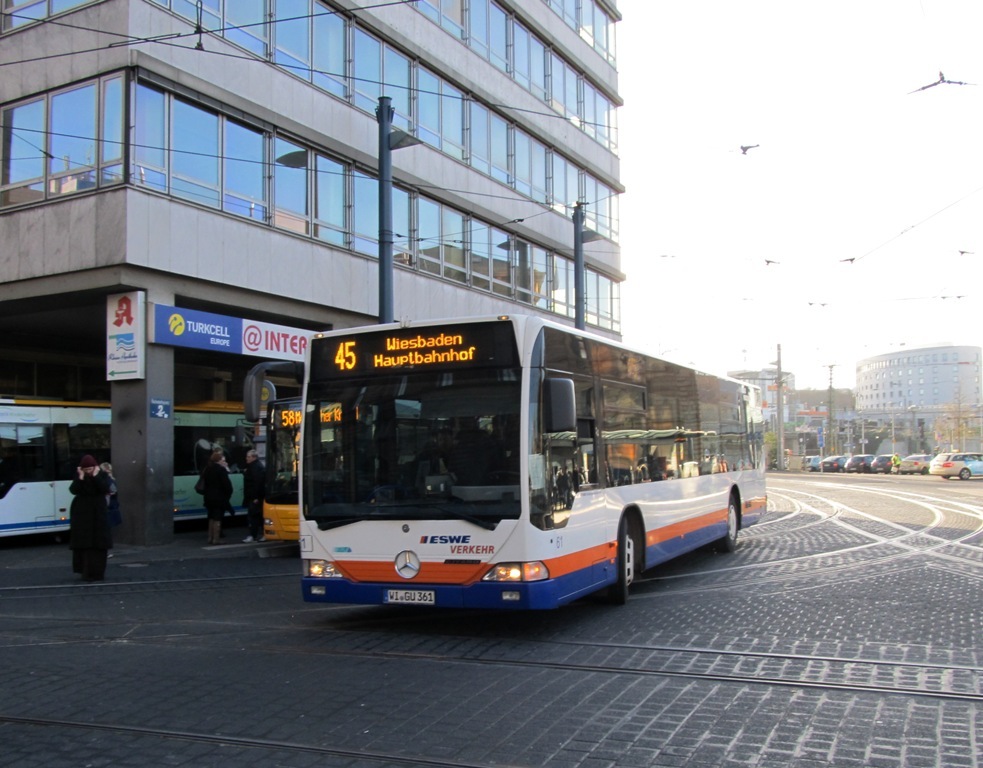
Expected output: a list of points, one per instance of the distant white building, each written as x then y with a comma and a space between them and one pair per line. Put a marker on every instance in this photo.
932, 393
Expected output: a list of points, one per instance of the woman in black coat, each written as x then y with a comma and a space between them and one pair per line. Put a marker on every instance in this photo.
218, 493
89, 531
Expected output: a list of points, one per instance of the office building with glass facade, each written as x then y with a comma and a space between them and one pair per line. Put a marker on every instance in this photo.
209, 168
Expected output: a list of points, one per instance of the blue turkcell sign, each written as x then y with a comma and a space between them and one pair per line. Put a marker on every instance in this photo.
200, 330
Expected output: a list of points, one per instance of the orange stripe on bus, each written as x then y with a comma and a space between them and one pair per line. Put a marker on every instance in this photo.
676, 530
375, 571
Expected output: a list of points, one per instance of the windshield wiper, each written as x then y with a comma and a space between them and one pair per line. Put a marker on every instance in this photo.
488, 525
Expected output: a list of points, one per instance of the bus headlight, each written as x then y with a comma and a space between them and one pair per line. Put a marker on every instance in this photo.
322, 569
534, 571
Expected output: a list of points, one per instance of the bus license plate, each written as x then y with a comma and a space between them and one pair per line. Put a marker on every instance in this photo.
413, 596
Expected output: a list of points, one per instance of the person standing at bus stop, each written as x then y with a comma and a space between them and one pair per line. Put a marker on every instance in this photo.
89, 533
253, 493
217, 493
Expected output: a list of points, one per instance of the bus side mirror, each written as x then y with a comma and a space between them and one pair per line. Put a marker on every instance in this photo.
559, 406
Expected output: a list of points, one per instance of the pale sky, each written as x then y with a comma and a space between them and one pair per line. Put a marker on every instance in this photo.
850, 166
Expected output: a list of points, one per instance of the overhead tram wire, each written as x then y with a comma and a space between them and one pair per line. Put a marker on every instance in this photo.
917, 224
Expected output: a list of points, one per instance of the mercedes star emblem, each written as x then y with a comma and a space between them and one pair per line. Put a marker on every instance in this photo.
407, 564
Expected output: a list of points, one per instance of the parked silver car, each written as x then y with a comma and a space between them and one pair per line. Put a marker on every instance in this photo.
916, 464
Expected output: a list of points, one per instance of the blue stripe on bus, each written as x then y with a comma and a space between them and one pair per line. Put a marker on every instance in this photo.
550, 593
36, 526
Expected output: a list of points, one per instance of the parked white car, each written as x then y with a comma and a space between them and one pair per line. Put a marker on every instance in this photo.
961, 465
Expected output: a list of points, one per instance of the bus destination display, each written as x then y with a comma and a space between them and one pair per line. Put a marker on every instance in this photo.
454, 347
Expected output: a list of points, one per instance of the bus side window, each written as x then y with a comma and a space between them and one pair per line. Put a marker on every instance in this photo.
588, 457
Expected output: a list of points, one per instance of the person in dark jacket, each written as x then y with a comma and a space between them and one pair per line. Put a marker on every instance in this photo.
89, 531
218, 493
253, 493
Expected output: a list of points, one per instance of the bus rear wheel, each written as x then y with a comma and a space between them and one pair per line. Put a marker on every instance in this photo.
628, 552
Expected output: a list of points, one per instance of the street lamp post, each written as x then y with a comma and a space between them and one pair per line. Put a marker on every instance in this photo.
389, 140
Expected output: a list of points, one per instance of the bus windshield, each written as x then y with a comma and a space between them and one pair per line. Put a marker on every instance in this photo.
419, 445
282, 438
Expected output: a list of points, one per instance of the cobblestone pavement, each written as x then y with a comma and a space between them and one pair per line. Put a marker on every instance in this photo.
844, 631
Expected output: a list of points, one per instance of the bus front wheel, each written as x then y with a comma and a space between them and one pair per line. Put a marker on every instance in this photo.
627, 554
728, 542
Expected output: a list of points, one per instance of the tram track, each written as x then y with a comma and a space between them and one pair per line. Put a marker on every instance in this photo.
251, 743
947, 678
875, 549
858, 675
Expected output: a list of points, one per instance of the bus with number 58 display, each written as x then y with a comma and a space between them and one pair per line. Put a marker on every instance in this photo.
511, 462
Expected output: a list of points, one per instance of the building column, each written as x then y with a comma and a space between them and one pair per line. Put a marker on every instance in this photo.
143, 452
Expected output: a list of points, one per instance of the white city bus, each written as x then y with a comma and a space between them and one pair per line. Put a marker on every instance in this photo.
41, 444
512, 462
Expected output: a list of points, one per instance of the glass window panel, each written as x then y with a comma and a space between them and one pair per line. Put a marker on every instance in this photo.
523, 271
587, 21
428, 108
539, 164
402, 227
563, 300
523, 161
25, 14
557, 84
480, 255
73, 140
365, 234
290, 191
428, 235
23, 143
397, 80
330, 52
244, 192
568, 10
195, 153
572, 193
292, 31
452, 121
570, 98
452, 15
246, 24
329, 201
559, 184
537, 69
211, 12
590, 198
478, 29
430, 9
590, 297
498, 37
614, 213
499, 148
452, 234
150, 139
540, 275
112, 130
501, 262
480, 154
367, 68
520, 55
590, 110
